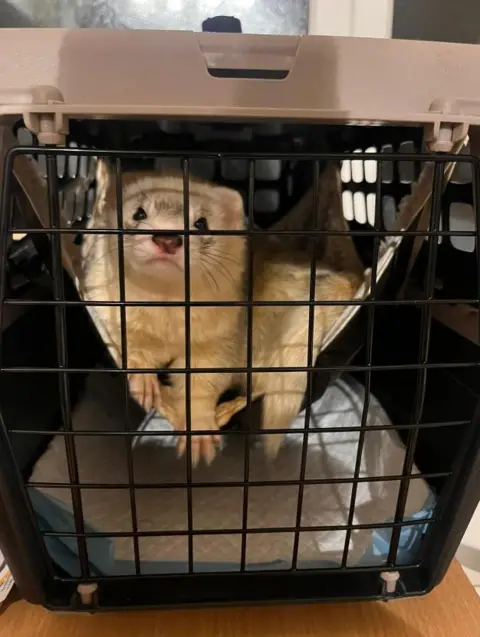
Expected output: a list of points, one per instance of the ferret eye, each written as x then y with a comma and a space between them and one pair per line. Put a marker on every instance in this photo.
140, 214
201, 224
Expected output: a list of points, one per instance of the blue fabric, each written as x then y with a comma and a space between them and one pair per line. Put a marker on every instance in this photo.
53, 515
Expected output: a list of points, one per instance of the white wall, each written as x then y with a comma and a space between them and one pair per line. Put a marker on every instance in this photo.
362, 18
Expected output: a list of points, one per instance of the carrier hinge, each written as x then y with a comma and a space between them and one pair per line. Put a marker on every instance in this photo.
442, 136
49, 128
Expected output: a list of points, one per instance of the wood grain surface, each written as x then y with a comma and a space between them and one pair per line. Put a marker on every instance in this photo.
452, 610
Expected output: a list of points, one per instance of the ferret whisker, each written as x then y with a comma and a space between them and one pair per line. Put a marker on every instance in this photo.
220, 250
222, 269
222, 258
213, 256
217, 266
101, 256
206, 273
222, 254
91, 243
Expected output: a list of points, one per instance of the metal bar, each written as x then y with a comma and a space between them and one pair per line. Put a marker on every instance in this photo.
368, 356
476, 208
254, 231
6, 228
188, 384
237, 531
250, 275
200, 154
326, 303
424, 345
124, 362
310, 362
61, 334
237, 483
244, 370
237, 432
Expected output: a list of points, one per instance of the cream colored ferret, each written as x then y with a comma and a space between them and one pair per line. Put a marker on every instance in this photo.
155, 272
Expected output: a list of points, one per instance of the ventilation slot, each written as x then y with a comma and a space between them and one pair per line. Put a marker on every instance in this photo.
387, 166
360, 207
462, 173
347, 202
462, 219
371, 167
389, 210
406, 169
357, 168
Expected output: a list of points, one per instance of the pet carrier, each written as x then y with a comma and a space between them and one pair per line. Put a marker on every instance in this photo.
351, 156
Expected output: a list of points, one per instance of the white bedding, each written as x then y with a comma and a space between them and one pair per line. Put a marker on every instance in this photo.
331, 455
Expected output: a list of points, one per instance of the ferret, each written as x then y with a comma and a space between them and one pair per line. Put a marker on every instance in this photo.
154, 271
154, 267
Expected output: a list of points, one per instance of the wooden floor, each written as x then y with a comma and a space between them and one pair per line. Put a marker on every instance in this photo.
452, 610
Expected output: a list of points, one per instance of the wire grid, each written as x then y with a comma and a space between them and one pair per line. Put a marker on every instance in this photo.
421, 367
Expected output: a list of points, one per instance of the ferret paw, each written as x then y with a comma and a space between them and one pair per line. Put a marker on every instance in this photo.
226, 411
145, 389
203, 447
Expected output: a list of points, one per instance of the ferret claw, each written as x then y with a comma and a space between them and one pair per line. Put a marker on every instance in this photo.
202, 447
272, 444
181, 446
145, 389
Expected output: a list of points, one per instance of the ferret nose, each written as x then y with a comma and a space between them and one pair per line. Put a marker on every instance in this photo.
169, 243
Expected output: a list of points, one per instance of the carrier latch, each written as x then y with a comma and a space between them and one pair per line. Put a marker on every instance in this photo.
50, 129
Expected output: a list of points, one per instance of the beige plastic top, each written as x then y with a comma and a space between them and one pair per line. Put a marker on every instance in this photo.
166, 73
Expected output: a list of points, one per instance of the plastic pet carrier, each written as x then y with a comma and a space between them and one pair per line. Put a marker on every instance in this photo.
356, 160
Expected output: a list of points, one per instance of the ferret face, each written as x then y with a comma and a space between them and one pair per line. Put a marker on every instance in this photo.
156, 203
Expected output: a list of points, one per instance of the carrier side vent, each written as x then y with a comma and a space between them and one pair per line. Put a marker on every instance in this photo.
359, 202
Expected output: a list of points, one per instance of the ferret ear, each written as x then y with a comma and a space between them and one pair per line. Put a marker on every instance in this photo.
103, 177
232, 203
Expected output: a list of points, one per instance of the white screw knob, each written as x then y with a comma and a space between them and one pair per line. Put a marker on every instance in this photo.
390, 578
86, 592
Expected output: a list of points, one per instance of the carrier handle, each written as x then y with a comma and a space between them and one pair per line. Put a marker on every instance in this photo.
232, 55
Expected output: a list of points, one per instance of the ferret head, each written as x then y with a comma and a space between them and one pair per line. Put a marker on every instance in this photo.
154, 202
